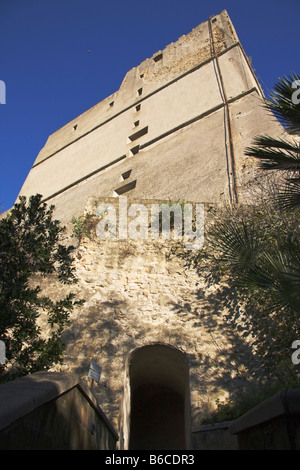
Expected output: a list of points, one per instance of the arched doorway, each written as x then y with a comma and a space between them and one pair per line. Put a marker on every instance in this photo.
159, 402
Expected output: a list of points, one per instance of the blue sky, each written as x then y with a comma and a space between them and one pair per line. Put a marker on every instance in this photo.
60, 57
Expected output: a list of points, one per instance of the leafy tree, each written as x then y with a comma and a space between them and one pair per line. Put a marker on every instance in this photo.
30, 248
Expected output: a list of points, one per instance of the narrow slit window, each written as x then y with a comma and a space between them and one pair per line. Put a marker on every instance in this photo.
126, 175
125, 188
138, 134
158, 57
138, 107
135, 150
140, 91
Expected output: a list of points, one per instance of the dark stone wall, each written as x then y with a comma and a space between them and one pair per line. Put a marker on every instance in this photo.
281, 433
66, 423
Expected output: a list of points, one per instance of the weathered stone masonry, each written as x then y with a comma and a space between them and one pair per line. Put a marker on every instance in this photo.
175, 130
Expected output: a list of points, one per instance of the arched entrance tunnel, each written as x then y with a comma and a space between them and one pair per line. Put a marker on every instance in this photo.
159, 416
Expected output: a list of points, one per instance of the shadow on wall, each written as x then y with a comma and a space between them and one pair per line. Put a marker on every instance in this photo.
160, 300
234, 367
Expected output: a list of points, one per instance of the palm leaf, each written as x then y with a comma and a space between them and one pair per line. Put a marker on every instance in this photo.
254, 267
275, 154
288, 195
281, 103
235, 242
286, 279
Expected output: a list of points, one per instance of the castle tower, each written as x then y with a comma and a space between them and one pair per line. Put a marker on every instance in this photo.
175, 130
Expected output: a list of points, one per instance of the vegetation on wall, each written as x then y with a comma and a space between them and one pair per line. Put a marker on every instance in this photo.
254, 254
31, 247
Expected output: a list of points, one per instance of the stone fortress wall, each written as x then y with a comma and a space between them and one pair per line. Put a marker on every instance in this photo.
175, 131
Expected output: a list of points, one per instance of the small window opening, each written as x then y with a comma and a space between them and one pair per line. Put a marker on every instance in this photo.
125, 188
135, 150
214, 20
138, 134
126, 175
75, 127
138, 107
142, 75
158, 57
140, 91
111, 104
136, 123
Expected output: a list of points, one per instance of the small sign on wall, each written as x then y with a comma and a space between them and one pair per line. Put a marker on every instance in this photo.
94, 373
2, 353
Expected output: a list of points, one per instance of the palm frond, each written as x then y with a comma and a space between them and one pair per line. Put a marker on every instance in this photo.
285, 271
275, 154
255, 278
255, 266
235, 242
288, 195
282, 105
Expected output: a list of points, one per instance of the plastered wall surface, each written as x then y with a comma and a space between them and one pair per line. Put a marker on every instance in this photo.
169, 114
